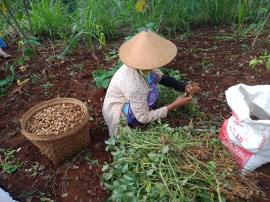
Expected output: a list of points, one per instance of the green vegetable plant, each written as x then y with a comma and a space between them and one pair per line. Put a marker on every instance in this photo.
263, 59
8, 163
8, 79
103, 77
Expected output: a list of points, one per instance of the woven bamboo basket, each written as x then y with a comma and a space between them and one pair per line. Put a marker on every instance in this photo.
65, 144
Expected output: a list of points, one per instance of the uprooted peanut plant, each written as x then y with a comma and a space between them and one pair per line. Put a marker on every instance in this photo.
166, 164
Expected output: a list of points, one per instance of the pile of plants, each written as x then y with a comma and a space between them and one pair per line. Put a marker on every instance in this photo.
166, 164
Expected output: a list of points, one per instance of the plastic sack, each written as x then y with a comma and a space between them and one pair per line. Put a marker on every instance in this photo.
246, 133
5, 197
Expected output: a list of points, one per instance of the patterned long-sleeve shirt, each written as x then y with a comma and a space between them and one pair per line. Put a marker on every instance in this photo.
127, 85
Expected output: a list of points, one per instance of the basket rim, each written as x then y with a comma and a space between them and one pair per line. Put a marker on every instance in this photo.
50, 137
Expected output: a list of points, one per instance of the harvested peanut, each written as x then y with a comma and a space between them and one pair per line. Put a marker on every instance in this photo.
192, 89
55, 119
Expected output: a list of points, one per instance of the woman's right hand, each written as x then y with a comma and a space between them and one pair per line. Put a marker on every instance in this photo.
180, 101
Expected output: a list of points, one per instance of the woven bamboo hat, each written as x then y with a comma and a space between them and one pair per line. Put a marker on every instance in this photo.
147, 51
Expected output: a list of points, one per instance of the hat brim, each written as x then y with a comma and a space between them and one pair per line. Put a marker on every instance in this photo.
147, 51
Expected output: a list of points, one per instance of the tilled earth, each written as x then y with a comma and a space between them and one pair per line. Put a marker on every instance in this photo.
207, 56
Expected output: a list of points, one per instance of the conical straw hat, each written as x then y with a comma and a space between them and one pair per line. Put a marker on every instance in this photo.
147, 51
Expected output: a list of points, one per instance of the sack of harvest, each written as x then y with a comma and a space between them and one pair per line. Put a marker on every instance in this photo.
247, 132
58, 127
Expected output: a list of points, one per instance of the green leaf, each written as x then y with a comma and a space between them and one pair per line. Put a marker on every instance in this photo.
105, 167
268, 65
253, 63
184, 181
28, 52
9, 168
107, 176
152, 155
125, 168
148, 187
150, 172
211, 165
165, 149
150, 25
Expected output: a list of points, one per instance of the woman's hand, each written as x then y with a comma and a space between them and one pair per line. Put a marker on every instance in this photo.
180, 101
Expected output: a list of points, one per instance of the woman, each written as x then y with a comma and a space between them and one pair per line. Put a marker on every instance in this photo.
2, 46
133, 89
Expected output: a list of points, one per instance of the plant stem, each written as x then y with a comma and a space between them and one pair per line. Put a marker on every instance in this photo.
12, 16
26, 3
10, 23
257, 36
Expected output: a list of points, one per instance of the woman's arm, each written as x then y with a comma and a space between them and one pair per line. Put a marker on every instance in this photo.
171, 82
180, 101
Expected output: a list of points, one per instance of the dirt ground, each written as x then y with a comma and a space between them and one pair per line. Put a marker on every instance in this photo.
207, 56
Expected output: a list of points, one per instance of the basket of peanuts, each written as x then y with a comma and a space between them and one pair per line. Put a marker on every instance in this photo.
58, 127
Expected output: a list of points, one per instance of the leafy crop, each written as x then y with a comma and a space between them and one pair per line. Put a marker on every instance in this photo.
103, 77
166, 164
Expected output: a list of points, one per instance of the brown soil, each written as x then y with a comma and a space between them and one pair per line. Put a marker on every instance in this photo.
213, 63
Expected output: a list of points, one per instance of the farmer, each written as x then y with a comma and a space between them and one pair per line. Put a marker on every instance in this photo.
132, 92
3, 45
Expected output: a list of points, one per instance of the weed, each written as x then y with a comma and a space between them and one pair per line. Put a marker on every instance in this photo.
8, 79
207, 66
245, 48
35, 78
46, 87
35, 170
35, 193
263, 59
8, 163
111, 55
27, 46
76, 68
89, 160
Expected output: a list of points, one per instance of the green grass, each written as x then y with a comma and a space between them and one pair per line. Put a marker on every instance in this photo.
102, 20
50, 18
